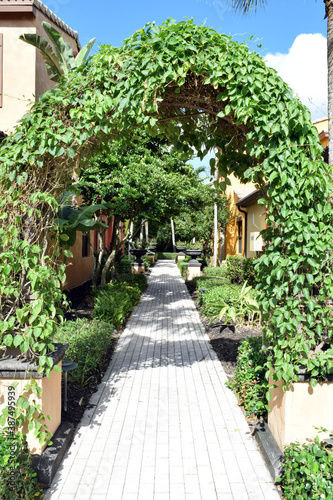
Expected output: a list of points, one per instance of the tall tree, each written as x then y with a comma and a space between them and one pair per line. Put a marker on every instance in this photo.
136, 181
246, 6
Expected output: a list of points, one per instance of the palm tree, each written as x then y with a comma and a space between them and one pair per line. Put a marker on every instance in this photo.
246, 6
61, 60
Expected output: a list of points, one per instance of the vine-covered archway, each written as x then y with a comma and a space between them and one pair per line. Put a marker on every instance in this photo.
199, 89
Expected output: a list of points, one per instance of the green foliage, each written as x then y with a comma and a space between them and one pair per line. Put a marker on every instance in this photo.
182, 266
138, 280
308, 471
216, 272
71, 220
240, 269
236, 303
212, 276
249, 382
197, 217
124, 266
17, 477
166, 255
114, 302
88, 342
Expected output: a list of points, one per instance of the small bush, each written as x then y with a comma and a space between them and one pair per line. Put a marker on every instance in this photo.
308, 471
241, 269
166, 255
124, 266
17, 477
182, 266
88, 343
139, 280
216, 272
249, 382
116, 301
209, 281
234, 303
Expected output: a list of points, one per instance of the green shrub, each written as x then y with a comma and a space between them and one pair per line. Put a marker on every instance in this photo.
88, 343
124, 266
182, 266
233, 303
216, 272
17, 477
308, 471
208, 281
249, 383
241, 269
166, 255
114, 302
139, 280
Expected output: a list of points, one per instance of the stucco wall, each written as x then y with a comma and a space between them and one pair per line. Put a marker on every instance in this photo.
79, 269
256, 221
19, 62
24, 72
231, 237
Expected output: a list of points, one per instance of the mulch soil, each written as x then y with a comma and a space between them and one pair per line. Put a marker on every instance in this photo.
224, 340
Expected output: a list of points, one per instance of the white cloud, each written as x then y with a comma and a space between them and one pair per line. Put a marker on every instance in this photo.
304, 69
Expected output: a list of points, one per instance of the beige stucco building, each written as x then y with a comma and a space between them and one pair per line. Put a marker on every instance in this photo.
23, 74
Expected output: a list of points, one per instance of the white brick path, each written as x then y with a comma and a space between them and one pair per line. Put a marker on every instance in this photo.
165, 426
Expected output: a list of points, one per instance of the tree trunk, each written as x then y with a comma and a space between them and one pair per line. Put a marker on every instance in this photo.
173, 236
97, 261
141, 230
329, 15
116, 244
147, 231
130, 239
215, 234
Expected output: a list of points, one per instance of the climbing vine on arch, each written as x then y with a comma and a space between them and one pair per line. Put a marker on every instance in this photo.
200, 89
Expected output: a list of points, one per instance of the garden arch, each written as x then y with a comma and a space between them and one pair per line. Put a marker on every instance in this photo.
199, 89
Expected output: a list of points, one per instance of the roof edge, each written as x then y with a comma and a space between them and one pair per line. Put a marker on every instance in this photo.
59, 22
11, 4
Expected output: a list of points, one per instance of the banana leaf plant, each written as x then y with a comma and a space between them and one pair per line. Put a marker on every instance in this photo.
59, 59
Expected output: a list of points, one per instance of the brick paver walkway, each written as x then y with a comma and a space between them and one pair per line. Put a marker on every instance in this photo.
165, 426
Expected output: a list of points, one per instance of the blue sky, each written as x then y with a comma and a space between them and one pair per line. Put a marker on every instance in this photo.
110, 22
292, 33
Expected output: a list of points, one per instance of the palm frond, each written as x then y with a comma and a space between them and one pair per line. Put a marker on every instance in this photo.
49, 57
246, 6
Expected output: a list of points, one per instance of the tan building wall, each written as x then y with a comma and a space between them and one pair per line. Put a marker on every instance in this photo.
79, 269
24, 75
233, 228
322, 127
19, 75
256, 222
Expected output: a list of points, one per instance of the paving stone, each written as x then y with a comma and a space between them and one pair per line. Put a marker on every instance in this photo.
165, 426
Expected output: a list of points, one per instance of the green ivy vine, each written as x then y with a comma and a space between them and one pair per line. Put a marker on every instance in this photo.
199, 89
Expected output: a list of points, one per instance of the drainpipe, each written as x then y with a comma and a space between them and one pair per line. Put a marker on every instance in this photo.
245, 229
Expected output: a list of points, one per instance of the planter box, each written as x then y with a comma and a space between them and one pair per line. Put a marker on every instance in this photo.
16, 370
193, 270
138, 268
294, 413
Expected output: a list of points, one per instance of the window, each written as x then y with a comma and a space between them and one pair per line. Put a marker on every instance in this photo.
240, 235
1, 69
85, 245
